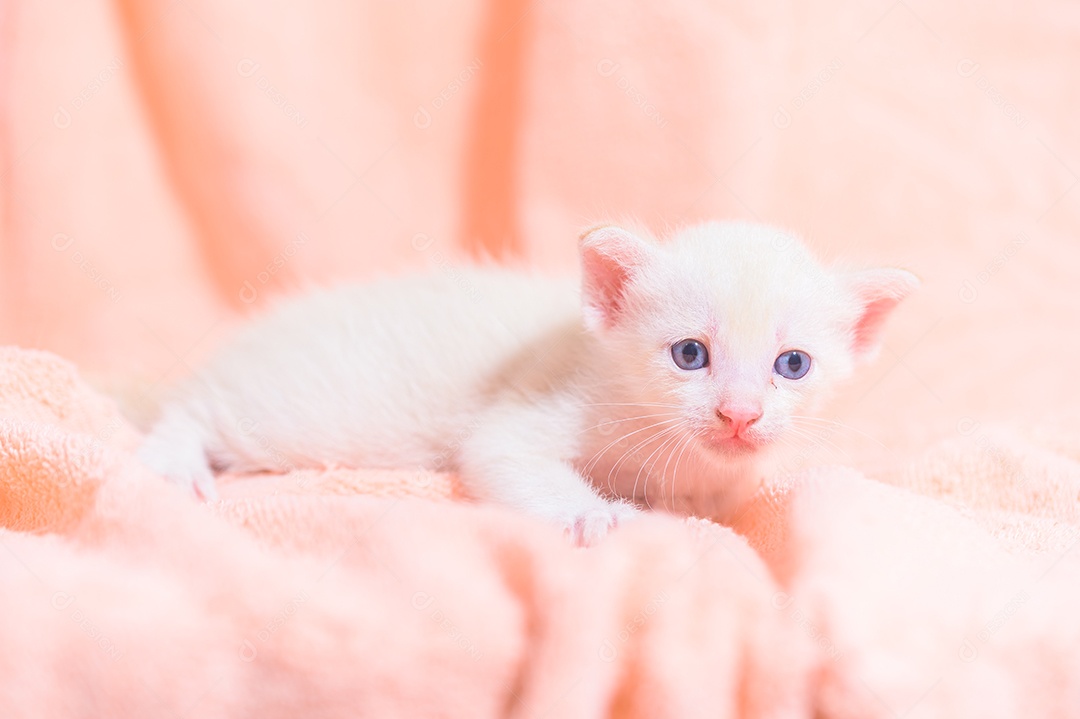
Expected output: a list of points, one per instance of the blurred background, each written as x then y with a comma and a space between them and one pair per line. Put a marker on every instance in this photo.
167, 168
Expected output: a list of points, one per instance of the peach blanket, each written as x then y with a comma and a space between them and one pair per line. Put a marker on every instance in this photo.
165, 167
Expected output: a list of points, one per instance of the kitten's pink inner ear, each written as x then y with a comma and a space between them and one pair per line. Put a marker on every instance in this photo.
610, 256
878, 292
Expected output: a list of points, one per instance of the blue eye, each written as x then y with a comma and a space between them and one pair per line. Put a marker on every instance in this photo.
690, 354
793, 364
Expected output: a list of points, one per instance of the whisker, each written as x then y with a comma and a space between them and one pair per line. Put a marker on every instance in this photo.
841, 425
675, 472
674, 438
803, 452
672, 443
684, 440
592, 462
615, 467
785, 471
817, 440
628, 419
596, 457
631, 404
664, 474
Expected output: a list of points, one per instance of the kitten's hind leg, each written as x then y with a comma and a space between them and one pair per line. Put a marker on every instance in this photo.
518, 455
175, 449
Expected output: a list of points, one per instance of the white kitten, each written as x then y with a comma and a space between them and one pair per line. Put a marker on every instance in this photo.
677, 366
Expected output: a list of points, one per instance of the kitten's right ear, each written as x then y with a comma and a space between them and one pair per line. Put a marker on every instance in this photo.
610, 257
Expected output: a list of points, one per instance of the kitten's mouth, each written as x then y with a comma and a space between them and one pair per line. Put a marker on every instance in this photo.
731, 444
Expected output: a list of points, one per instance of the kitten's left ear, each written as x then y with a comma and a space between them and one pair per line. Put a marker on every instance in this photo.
610, 258
876, 293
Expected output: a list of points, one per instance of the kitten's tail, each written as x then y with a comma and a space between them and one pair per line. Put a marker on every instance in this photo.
175, 449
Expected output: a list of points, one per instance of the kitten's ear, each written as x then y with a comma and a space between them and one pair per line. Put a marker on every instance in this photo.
877, 293
610, 257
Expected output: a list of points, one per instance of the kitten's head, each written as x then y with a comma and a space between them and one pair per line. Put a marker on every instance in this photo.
734, 327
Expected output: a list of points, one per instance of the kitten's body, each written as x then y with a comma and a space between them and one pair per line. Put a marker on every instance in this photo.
500, 376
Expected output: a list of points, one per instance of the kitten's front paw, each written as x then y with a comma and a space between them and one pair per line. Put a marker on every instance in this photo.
588, 527
190, 474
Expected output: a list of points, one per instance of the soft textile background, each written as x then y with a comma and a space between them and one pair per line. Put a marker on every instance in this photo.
167, 167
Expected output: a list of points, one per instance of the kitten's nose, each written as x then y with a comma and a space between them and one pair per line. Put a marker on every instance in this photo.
739, 416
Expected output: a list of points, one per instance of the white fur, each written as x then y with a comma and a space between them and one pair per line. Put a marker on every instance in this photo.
496, 375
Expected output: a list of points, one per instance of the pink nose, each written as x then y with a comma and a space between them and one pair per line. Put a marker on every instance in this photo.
738, 416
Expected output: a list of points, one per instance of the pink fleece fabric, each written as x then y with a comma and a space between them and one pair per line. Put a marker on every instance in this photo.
167, 168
